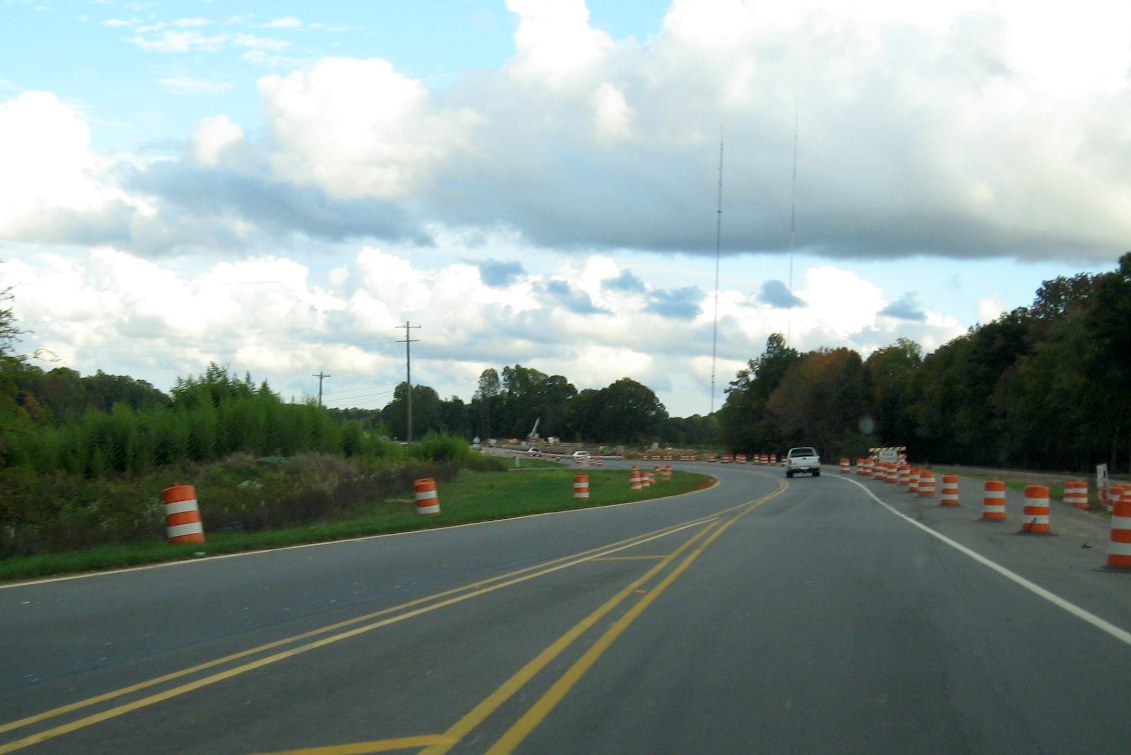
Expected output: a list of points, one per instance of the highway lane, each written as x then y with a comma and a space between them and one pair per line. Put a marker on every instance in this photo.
760, 615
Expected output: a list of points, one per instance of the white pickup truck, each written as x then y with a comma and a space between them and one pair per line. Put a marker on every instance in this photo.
802, 459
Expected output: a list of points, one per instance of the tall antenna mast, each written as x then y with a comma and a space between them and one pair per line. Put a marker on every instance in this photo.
718, 247
792, 225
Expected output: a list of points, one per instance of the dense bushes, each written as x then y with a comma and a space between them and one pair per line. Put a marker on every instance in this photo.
256, 463
131, 442
52, 512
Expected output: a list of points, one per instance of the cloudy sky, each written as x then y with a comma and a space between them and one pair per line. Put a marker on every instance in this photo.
277, 186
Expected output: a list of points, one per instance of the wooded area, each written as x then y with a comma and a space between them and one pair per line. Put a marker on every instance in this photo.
1042, 387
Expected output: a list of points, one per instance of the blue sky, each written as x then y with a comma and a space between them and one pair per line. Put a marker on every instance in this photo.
276, 186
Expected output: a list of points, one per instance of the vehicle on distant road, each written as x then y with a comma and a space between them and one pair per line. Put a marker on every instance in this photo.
802, 459
580, 455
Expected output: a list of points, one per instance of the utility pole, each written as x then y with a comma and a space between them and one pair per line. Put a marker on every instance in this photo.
408, 374
320, 377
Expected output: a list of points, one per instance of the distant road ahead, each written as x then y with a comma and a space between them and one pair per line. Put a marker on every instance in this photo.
763, 615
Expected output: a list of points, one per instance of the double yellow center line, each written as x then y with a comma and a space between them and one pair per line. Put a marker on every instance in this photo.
242, 662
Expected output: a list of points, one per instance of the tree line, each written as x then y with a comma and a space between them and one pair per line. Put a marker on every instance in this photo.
1046, 387
515, 401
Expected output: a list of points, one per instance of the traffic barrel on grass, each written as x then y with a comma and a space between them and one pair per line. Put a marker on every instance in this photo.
1035, 515
182, 515
993, 504
427, 500
1076, 493
581, 487
634, 481
1119, 549
949, 495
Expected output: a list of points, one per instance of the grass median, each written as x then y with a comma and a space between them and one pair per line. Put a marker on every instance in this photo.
471, 497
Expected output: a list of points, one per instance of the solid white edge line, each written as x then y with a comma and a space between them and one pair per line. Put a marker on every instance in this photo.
1119, 634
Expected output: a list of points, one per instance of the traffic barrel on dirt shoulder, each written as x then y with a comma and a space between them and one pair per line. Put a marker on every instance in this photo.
427, 500
993, 504
182, 515
949, 496
1119, 549
581, 487
1035, 515
1076, 493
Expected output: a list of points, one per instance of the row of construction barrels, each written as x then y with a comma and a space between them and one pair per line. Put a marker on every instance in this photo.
1036, 511
183, 523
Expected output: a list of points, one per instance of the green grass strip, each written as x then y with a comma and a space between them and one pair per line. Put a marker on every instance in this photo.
472, 497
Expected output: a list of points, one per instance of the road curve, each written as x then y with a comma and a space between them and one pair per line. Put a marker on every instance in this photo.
813, 614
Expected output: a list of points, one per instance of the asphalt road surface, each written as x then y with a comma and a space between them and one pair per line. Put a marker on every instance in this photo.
827, 614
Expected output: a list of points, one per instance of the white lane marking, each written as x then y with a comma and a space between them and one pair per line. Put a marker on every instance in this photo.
1105, 626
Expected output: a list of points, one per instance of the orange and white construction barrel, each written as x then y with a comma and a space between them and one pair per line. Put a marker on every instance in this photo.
581, 487
913, 479
634, 480
845, 466
993, 504
427, 500
926, 483
949, 495
1076, 493
182, 515
1035, 514
1119, 549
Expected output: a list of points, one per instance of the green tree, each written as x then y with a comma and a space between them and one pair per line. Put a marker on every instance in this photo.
1107, 363
427, 413
484, 401
743, 423
629, 413
581, 417
530, 396
890, 373
821, 402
